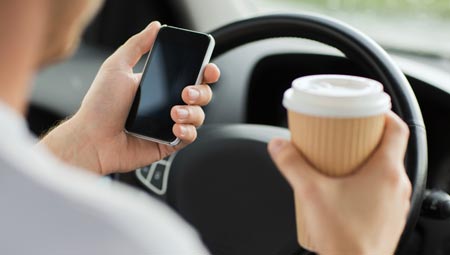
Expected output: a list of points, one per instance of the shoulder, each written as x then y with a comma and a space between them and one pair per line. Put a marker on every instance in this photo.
52, 208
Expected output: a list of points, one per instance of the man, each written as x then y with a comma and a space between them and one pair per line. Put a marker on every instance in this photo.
49, 205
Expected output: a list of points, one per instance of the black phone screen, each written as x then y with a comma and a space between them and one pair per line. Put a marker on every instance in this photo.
175, 61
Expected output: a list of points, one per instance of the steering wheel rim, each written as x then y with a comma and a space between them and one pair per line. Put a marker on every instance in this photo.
365, 52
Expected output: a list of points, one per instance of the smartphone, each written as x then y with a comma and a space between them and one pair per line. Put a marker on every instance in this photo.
177, 59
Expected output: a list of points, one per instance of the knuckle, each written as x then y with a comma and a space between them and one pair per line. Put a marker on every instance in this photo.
286, 159
206, 93
405, 128
200, 111
394, 176
399, 182
207, 89
402, 128
407, 188
201, 117
284, 156
196, 113
194, 134
407, 206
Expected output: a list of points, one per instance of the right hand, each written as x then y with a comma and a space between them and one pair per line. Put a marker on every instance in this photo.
364, 213
94, 138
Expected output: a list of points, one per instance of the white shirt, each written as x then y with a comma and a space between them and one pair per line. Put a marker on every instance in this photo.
48, 207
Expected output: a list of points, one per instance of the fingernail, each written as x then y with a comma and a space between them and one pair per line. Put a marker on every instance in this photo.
276, 146
183, 131
182, 113
194, 94
152, 24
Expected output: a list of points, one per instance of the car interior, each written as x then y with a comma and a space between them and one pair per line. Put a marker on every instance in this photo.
225, 184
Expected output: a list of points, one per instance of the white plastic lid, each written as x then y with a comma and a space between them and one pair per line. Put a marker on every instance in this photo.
339, 96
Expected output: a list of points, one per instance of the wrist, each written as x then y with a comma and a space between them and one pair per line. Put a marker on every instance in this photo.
70, 143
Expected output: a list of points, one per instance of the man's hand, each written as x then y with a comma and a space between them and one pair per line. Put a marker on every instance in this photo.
364, 213
94, 137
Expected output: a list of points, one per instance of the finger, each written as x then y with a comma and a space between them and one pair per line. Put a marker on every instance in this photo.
134, 48
197, 95
211, 73
292, 165
187, 133
193, 115
395, 139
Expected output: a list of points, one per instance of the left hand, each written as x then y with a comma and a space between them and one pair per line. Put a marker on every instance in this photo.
94, 137
363, 213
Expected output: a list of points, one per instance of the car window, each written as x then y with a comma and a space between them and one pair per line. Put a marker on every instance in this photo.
419, 26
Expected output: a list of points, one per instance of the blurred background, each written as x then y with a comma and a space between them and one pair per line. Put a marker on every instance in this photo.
418, 29
420, 26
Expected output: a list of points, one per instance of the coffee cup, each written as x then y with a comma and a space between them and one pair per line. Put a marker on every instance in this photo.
336, 122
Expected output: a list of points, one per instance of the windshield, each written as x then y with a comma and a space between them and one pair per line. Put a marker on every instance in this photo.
419, 26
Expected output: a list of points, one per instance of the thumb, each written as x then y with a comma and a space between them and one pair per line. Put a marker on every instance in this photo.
297, 171
135, 47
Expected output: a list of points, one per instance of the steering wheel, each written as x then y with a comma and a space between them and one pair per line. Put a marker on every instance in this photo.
226, 185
